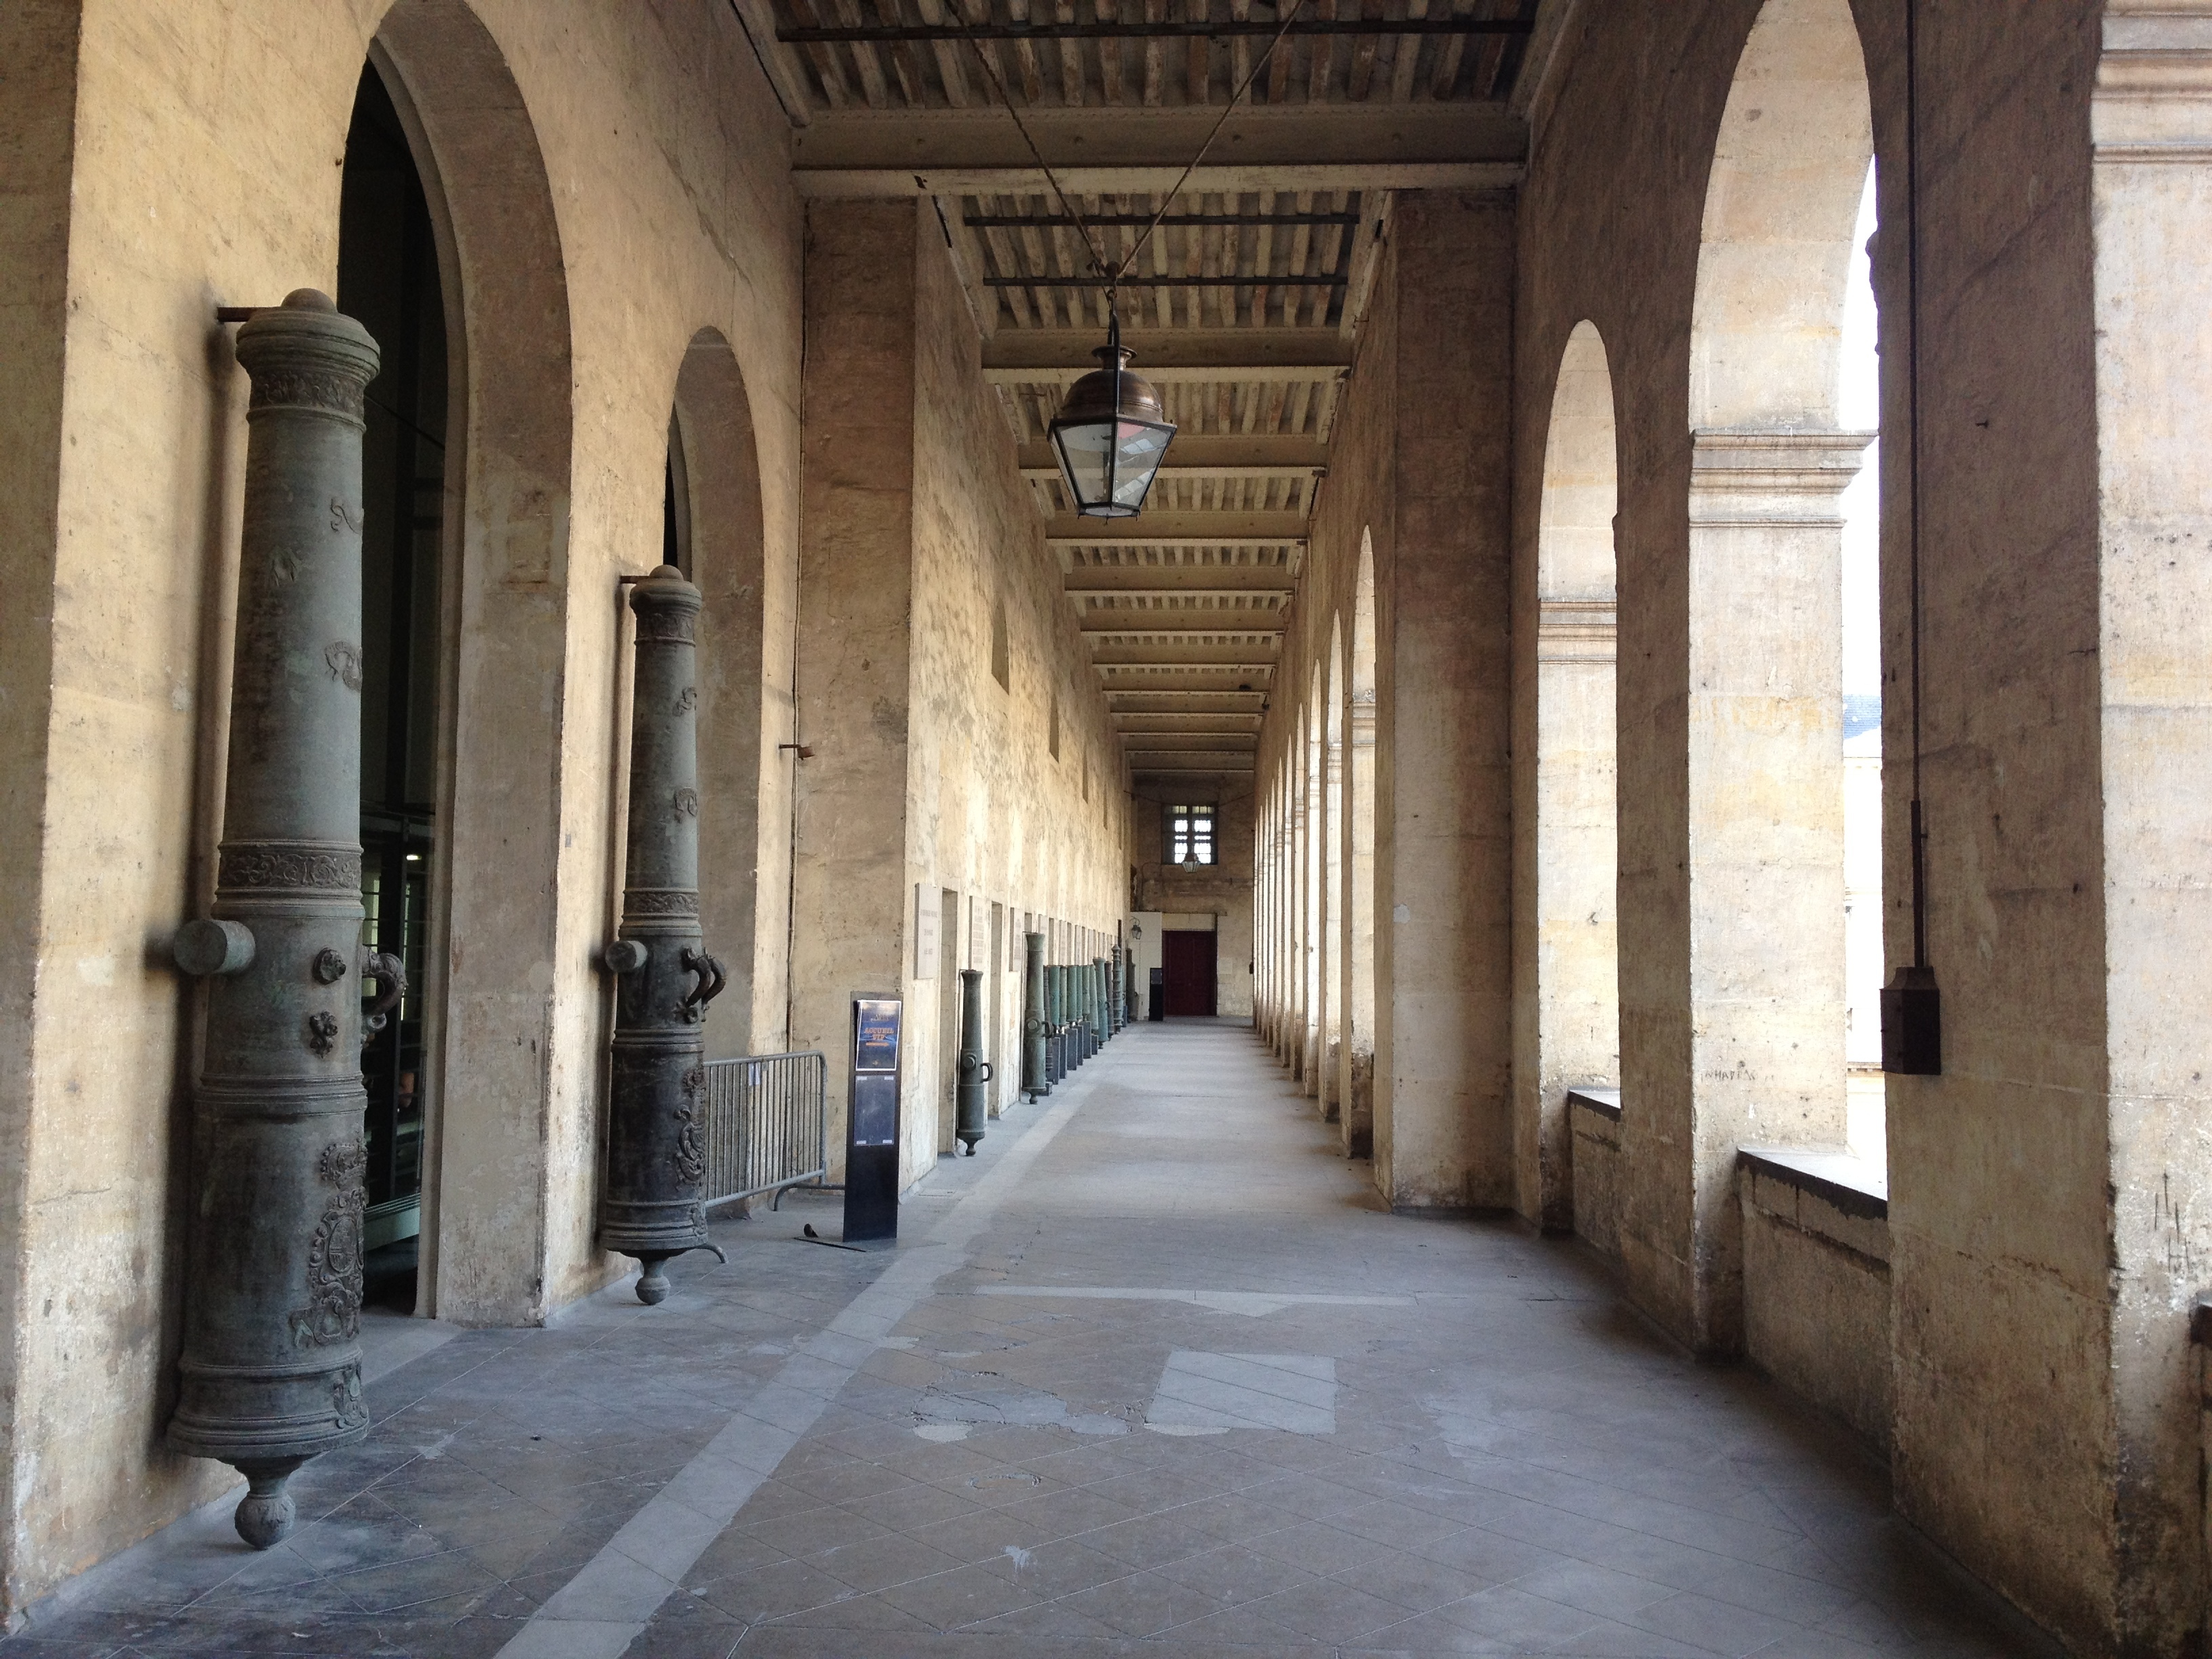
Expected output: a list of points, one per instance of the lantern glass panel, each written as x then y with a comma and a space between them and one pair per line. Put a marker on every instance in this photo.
1141, 447
1086, 457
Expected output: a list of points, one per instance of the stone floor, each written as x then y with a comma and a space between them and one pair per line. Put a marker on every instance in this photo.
1151, 1376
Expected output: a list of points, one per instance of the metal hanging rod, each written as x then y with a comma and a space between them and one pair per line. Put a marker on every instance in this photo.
1015, 220
893, 33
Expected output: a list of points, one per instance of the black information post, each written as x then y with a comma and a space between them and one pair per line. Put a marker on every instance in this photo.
872, 1132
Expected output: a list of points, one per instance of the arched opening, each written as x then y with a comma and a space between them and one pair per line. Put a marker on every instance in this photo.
1568, 1031
497, 1228
1755, 1055
1774, 261
713, 522
1334, 851
389, 280
1356, 1066
1859, 409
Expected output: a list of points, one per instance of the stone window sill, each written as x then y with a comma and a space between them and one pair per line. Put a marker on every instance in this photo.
1854, 1186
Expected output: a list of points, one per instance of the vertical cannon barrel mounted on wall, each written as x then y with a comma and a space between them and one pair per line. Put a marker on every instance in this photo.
1033, 1080
1058, 1053
652, 1208
974, 1070
270, 1372
1085, 1043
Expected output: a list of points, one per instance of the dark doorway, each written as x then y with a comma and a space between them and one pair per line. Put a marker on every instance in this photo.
1186, 962
388, 280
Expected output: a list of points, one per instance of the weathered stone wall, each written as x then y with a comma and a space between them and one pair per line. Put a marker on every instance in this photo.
990, 811
2044, 1210
1595, 1172
855, 632
1816, 1295
928, 777
206, 171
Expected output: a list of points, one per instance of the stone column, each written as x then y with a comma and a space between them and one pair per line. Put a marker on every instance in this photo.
1444, 815
1293, 1045
1745, 1047
1330, 1048
2051, 1217
1315, 921
1356, 1064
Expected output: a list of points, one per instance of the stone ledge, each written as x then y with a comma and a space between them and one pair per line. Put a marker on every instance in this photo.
1851, 1183
1830, 1195
1606, 1102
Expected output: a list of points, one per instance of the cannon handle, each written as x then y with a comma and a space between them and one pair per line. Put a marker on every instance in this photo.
390, 972
713, 978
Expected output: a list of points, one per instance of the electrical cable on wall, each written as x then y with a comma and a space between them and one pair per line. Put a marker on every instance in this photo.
1911, 1006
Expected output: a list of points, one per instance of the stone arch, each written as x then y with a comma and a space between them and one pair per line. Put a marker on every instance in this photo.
491, 1114
1568, 1032
1356, 1063
1750, 888
1796, 137
716, 467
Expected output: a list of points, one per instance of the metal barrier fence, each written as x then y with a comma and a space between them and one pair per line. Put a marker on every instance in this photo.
766, 1125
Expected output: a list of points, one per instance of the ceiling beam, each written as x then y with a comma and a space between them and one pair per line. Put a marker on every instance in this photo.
1047, 472
1089, 579
1170, 375
1116, 596
1149, 220
978, 151
882, 183
1314, 350
1206, 454
1179, 530
1115, 624
1140, 700
1241, 719
1192, 742
787, 77
1161, 28
1149, 761
1245, 662
1181, 681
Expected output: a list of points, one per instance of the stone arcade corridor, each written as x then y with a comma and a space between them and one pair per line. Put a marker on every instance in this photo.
1153, 1375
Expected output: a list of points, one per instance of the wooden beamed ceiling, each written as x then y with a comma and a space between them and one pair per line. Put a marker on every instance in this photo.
1244, 306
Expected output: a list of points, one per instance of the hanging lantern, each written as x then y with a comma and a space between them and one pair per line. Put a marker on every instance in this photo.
1111, 435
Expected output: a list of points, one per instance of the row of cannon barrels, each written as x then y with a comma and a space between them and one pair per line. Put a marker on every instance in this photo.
270, 1372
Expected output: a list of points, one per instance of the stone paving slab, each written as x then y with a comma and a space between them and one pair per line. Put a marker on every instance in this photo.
1168, 1383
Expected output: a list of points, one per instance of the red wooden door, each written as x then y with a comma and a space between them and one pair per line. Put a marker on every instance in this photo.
1186, 968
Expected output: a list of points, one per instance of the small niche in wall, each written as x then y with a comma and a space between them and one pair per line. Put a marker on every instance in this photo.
1052, 727
999, 671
